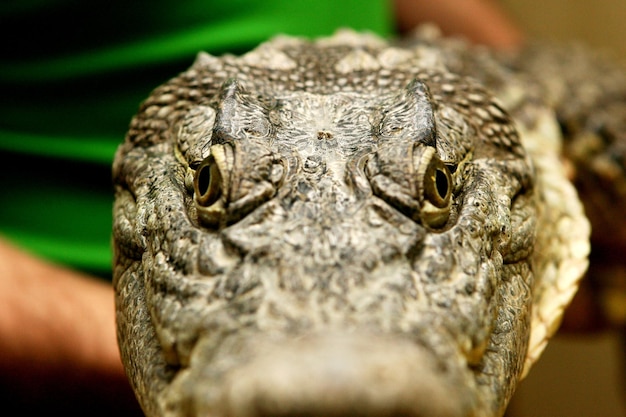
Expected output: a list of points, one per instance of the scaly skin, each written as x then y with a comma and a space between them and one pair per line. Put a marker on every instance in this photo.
342, 228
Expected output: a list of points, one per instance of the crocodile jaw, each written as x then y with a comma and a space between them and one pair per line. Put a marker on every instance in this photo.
331, 374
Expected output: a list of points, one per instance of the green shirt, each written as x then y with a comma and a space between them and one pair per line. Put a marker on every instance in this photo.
74, 73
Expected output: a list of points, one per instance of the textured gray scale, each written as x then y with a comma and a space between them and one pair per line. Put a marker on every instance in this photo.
342, 227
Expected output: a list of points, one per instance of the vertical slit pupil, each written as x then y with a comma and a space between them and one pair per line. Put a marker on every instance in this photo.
441, 182
208, 184
204, 180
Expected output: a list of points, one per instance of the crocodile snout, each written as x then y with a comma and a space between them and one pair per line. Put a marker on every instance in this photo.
339, 375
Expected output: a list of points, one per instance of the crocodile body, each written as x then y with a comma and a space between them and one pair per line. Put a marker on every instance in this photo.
344, 227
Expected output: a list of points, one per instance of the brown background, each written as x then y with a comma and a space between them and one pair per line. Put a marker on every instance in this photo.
601, 23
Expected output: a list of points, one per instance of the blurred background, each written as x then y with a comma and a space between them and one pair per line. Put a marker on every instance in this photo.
600, 23
578, 375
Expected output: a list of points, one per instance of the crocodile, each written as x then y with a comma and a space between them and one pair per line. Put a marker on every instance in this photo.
357, 226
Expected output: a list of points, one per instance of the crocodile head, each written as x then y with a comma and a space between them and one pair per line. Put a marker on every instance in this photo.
311, 230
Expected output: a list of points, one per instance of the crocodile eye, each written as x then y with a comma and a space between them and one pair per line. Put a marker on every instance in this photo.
224, 192
437, 183
207, 183
434, 187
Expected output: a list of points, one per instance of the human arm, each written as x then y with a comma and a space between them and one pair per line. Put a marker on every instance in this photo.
481, 21
57, 335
